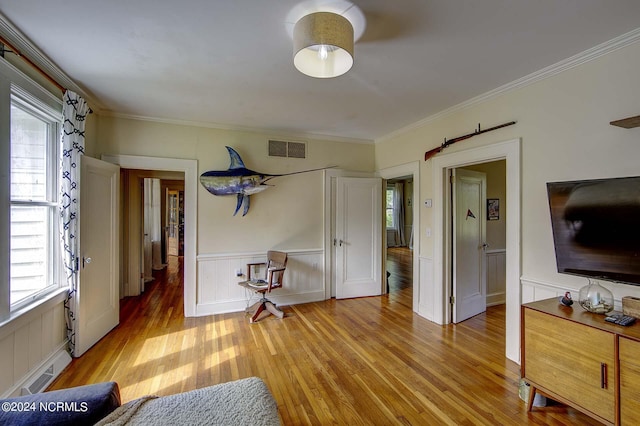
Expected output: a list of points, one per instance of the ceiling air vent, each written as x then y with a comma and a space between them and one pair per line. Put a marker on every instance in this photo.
287, 149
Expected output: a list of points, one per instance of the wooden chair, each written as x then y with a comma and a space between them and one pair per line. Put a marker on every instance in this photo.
274, 271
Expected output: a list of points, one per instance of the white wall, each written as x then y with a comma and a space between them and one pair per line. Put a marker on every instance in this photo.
289, 216
563, 125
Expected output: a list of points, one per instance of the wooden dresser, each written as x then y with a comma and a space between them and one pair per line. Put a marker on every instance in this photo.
575, 357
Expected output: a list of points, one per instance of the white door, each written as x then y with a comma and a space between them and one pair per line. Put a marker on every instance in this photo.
469, 228
358, 238
97, 299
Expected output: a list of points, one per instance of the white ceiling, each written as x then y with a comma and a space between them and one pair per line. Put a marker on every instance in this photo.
229, 63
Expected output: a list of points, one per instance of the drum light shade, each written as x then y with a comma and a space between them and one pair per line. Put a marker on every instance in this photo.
323, 45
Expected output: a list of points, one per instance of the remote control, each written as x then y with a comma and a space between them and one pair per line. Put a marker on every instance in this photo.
620, 319
626, 320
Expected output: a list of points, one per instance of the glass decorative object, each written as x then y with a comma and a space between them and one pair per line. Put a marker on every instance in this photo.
596, 298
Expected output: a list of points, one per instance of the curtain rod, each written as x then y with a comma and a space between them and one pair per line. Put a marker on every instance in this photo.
30, 62
16, 52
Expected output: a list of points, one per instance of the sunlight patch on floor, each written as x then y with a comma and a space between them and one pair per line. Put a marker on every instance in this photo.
155, 348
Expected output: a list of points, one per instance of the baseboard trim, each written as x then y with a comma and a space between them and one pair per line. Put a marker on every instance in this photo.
239, 305
60, 358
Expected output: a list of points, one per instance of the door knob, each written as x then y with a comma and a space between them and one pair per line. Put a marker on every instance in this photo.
85, 261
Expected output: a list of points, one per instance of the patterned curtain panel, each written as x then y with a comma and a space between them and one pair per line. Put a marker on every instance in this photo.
398, 211
74, 112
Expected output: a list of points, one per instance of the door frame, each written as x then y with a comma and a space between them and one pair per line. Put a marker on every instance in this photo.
409, 169
330, 178
190, 170
507, 150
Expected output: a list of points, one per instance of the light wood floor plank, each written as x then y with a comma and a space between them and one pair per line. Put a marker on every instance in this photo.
364, 361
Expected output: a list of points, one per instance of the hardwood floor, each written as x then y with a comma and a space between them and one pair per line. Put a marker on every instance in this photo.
400, 268
356, 361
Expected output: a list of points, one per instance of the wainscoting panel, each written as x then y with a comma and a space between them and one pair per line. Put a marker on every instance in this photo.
426, 304
28, 342
496, 277
534, 290
218, 290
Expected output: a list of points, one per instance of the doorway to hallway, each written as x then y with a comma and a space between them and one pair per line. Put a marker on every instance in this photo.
400, 275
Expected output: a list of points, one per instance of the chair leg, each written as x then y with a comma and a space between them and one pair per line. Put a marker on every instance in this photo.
253, 308
260, 309
263, 305
274, 310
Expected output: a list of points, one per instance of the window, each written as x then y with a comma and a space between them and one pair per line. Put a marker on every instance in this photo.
34, 244
391, 192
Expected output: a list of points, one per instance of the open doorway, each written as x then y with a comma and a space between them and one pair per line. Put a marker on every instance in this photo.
402, 262
441, 292
399, 235
478, 238
145, 217
190, 170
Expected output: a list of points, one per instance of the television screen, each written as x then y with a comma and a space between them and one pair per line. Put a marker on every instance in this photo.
596, 228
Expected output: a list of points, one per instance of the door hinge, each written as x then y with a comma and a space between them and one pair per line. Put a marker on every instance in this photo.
452, 179
452, 300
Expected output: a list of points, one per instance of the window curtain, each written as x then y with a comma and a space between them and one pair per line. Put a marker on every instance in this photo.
74, 112
398, 213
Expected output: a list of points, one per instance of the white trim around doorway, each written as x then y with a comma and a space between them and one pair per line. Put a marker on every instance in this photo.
509, 151
410, 169
190, 170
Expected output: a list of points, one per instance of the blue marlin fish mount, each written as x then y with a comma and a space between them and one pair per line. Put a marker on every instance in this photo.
240, 181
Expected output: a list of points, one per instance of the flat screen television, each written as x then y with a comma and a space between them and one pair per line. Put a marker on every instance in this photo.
596, 228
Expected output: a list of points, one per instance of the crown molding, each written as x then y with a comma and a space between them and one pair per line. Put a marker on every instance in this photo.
28, 49
275, 133
574, 61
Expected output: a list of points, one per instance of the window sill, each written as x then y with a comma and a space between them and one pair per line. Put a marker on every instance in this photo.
24, 315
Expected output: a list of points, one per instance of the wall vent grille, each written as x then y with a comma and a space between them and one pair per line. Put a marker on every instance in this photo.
287, 149
43, 376
39, 383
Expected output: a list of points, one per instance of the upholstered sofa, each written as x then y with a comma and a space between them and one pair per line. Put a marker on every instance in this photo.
241, 402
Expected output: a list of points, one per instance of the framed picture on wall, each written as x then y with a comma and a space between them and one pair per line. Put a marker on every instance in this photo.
493, 208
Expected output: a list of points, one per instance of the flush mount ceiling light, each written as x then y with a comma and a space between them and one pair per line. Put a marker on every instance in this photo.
323, 37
